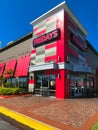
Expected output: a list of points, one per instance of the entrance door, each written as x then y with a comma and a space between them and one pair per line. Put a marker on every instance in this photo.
44, 89
38, 84
52, 85
45, 84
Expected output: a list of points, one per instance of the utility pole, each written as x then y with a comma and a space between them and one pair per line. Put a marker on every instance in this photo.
0, 44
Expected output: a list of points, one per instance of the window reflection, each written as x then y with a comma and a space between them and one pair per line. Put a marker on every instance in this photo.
38, 79
21, 82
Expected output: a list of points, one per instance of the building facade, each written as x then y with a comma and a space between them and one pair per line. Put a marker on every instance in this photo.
93, 63
15, 58
56, 60
59, 64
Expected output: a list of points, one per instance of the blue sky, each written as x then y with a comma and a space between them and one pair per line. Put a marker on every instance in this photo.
16, 15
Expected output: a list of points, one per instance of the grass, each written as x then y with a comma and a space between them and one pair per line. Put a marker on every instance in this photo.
95, 126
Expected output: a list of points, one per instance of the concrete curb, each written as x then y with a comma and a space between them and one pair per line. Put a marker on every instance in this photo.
12, 96
25, 120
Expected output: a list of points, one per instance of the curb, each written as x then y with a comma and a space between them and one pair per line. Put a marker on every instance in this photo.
25, 120
12, 96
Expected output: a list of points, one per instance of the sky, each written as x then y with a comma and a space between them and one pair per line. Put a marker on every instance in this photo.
16, 15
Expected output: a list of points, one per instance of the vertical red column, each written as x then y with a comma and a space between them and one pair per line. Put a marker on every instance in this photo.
66, 35
66, 48
60, 42
62, 89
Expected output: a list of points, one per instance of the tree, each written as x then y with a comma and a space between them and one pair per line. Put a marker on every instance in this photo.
10, 73
2, 81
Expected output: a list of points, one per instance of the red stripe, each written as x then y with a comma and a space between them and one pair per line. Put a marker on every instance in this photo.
50, 58
2, 65
41, 32
50, 72
33, 51
10, 65
73, 52
50, 46
22, 66
26, 66
35, 29
31, 81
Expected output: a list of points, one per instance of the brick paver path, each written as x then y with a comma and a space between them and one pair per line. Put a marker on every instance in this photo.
68, 114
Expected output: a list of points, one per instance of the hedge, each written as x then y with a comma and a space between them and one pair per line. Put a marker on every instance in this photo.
9, 91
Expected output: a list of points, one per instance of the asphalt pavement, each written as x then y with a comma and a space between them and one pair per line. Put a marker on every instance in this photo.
7, 126
7, 123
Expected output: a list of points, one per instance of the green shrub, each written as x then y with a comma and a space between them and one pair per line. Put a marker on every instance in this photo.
9, 91
8, 84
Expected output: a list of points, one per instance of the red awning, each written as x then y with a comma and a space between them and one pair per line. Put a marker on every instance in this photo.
2, 65
10, 65
22, 66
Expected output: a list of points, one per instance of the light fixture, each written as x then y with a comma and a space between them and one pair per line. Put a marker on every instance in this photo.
58, 75
59, 58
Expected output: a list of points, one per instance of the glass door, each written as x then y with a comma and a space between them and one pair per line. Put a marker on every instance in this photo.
45, 84
52, 85
38, 84
44, 89
77, 86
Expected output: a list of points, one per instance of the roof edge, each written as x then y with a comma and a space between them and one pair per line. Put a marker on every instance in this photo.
64, 6
52, 10
21, 39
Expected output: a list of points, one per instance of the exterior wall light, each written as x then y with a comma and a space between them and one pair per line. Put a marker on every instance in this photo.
59, 76
59, 58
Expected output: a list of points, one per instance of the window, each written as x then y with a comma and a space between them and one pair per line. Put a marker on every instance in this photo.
91, 82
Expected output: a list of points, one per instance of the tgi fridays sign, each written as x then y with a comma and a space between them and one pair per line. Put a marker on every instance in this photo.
46, 38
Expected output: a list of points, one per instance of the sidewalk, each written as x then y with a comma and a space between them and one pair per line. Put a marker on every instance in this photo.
68, 114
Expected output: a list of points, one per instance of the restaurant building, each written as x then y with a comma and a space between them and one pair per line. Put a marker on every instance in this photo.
56, 60
59, 59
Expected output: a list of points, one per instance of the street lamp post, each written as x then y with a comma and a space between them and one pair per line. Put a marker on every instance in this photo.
0, 44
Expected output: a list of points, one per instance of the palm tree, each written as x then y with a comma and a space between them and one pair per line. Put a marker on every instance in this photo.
10, 73
2, 81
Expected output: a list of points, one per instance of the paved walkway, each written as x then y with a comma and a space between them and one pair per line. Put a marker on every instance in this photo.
68, 114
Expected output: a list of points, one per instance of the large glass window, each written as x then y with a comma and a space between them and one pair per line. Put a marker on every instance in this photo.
21, 82
77, 85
